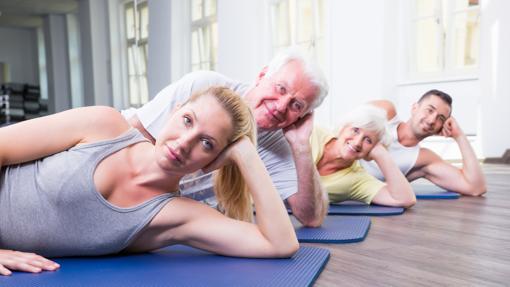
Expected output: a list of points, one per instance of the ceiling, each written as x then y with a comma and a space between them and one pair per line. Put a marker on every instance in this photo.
29, 13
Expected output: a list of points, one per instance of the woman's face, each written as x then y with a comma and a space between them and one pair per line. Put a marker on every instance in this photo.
355, 143
194, 136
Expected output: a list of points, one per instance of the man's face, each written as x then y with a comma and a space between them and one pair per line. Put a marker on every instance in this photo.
428, 117
281, 99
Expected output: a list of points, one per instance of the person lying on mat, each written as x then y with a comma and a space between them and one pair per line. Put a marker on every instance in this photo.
281, 98
362, 134
84, 182
431, 115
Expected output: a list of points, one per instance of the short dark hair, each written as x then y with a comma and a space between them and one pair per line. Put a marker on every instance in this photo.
444, 96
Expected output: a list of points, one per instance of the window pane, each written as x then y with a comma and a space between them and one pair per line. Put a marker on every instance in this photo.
281, 25
305, 24
204, 44
428, 46
130, 22
196, 10
144, 94
214, 47
142, 64
210, 7
195, 55
133, 91
425, 8
131, 61
467, 31
144, 21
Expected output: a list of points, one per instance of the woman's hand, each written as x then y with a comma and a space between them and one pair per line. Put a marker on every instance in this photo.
23, 261
376, 151
230, 154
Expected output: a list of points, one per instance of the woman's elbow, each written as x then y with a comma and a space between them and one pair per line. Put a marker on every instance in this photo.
409, 203
287, 250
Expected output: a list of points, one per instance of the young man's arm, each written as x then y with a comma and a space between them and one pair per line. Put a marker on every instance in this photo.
386, 105
310, 203
468, 180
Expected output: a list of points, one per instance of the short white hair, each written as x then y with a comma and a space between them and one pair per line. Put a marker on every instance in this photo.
370, 118
310, 68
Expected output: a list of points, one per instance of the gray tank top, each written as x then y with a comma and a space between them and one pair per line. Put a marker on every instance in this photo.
51, 206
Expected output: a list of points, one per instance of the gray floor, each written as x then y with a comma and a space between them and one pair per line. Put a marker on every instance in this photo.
462, 242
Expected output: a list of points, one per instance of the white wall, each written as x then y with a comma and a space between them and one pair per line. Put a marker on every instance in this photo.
356, 54
243, 38
18, 49
495, 77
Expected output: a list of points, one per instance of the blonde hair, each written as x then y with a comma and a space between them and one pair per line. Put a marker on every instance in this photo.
370, 118
229, 186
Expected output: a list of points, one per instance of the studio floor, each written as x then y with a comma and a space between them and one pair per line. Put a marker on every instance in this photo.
460, 242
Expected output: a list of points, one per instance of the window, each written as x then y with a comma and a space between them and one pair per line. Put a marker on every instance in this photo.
445, 38
301, 23
137, 34
204, 35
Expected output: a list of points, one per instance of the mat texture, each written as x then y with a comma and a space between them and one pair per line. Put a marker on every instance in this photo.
429, 191
335, 229
358, 208
179, 266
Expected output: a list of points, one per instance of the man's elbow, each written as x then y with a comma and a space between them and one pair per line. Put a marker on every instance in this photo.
311, 221
477, 190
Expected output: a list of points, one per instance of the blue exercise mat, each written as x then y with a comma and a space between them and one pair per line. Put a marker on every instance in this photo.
335, 229
358, 208
179, 266
429, 191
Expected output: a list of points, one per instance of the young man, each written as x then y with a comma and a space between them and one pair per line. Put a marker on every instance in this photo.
281, 100
431, 115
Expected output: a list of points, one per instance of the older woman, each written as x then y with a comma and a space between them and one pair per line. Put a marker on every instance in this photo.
362, 134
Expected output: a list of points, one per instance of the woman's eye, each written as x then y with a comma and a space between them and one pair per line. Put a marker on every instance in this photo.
186, 120
355, 130
207, 144
369, 140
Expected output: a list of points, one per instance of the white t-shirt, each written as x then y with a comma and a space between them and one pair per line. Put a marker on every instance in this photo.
273, 148
404, 157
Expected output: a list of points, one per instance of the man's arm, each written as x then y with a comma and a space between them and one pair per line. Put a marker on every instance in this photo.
310, 203
468, 180
386, 105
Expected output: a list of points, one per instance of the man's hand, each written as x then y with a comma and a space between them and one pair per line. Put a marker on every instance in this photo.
299, 131
451, 129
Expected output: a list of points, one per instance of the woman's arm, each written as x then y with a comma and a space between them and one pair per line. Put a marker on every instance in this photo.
40, 137
397, 191
185, 221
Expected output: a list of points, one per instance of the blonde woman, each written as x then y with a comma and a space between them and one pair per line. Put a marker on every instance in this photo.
83, 182
362, 135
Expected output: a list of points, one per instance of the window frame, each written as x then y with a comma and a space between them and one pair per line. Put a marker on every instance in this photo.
444, 16
205, 24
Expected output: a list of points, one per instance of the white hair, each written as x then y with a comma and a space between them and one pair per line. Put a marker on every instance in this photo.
370, 118
310, 68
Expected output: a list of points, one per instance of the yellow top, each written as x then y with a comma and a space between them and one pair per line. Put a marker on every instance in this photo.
351, 183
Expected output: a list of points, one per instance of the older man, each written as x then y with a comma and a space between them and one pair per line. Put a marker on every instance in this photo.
281, 98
